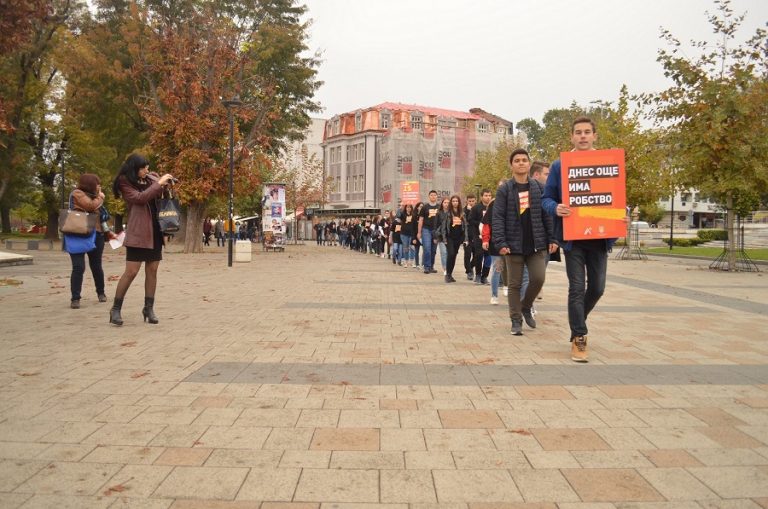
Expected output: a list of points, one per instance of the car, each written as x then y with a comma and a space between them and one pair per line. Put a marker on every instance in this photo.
640, 224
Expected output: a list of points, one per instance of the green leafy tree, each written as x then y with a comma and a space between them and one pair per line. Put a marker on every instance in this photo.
716, 114
491, 166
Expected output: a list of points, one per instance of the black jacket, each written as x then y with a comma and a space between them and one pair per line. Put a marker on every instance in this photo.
475, 217
506, 227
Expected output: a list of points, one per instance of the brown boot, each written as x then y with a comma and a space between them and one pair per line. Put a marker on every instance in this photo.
579, 351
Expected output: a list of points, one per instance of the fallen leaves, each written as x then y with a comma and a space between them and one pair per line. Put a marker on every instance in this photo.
6, 281
28, 373
128, 343
139, 374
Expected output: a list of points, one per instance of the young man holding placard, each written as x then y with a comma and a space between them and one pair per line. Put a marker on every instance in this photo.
586, 260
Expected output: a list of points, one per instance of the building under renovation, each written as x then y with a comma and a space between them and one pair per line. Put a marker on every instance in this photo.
371, 154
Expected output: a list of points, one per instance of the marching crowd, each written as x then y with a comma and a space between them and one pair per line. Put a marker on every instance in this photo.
507, 238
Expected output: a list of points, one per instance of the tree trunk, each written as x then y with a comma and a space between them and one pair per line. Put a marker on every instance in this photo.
52, 230
5, 215
193, 243
731, 218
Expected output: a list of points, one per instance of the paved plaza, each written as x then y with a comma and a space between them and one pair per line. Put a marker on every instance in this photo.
320, 378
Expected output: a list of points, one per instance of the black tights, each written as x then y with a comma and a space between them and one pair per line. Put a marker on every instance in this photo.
131, 270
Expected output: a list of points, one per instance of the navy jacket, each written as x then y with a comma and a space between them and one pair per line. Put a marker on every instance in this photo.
506, 227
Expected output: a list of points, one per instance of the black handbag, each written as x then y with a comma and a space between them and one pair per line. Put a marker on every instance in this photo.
168, 214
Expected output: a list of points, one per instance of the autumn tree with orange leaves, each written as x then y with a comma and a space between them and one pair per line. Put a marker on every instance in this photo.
187, 57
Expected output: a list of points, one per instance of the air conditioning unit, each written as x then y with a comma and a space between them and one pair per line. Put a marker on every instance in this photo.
695, 204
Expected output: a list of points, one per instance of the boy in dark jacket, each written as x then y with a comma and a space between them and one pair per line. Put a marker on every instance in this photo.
523, 233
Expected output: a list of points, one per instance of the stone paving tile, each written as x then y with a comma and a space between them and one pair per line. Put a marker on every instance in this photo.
429, 460
123, 454
733, 482
346, 439
338, 485
407, 486
569, 439
666, 458
611, 485
277, 484
69, 478
244, 458
15, 472
475, 486
467, 460
66, 502
465, 419
543, 485
234, 437
676, 484
135, 481
183, 456
203, 482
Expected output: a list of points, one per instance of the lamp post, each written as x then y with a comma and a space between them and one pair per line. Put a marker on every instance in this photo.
234, 102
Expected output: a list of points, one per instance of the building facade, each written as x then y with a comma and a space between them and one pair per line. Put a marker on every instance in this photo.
370, 154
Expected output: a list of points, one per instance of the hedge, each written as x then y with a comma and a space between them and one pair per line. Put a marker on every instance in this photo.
684, 242
707, 235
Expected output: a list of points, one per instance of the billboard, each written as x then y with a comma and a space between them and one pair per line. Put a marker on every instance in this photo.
273, 212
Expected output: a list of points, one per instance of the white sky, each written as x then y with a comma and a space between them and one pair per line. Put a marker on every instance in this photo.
513, 58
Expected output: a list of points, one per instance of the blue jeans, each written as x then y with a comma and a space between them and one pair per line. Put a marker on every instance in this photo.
407, 247
443, 247
496, 264
397, 252
429, 249
586, 270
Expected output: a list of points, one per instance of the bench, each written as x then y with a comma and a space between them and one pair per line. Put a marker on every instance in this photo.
31, 245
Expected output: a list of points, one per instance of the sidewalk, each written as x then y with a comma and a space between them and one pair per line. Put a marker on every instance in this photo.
321, 378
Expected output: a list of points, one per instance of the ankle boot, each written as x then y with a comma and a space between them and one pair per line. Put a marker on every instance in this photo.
114, 313
148, 312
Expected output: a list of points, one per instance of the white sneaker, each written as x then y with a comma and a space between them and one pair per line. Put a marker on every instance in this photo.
445, 272
495, 301
533, 311
505, 290
417, 267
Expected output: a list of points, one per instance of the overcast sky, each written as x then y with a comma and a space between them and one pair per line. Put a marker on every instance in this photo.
513, 58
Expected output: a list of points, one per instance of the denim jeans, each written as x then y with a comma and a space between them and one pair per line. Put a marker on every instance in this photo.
397, 252
443, 247
428, 249
78, 268
496, 264
586, 270
407, 247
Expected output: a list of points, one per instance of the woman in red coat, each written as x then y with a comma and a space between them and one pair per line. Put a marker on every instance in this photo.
143, 239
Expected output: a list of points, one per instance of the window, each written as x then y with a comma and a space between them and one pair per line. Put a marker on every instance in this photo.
358, 121
501, 129
386, 120
417, 122
336, 126
354, 184
346, 189
446, 123
482, 127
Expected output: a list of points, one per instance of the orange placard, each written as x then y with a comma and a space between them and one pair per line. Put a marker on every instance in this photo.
594, 188
409, 192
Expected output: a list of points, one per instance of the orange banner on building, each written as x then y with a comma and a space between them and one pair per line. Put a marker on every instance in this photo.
409, 192
594, 188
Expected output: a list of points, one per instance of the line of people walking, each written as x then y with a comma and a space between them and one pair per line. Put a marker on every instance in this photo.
508, 238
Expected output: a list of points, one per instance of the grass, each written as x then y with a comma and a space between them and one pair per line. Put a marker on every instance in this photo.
21, 236
708, 252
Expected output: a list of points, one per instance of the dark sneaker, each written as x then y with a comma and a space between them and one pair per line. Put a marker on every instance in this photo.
579, 351
451, 280
517, 328
432, 271
447, 279
75, 304
477, 280
470, 277
426, 271
528, 317
484, 281
102, 297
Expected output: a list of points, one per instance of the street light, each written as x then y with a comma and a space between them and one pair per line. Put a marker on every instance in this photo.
234, 102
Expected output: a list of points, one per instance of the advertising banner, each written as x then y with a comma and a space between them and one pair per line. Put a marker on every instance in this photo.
594, 188
409, 192
273, 213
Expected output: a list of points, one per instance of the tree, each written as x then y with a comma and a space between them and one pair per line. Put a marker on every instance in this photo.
716, 114
492, 166
26, 77
188, 55
648, 178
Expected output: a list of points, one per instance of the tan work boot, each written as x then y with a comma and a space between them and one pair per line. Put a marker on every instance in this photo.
579, 349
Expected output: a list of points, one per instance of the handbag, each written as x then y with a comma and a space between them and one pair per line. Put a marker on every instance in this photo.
78, 244
168, 214
77, 221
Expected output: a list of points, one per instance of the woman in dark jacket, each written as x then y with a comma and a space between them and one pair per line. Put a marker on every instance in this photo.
454, 231
143, 239
88, 197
